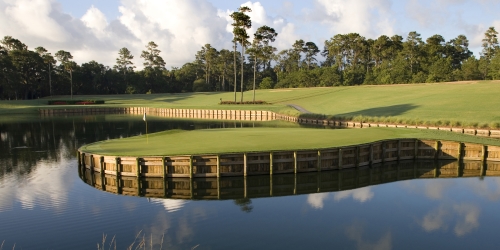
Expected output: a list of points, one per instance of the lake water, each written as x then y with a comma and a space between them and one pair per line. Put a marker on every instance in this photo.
46, 204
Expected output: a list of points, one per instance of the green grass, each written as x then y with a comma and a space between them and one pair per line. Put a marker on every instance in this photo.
213, 141
468, 104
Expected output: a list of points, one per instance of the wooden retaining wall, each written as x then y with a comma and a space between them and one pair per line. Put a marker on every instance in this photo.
287, 184
239, 115
249, 115
282, 162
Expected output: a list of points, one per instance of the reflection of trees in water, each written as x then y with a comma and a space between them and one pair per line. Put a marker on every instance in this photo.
245, 204
24, 144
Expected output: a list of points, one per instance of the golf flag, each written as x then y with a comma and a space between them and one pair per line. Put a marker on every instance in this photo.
144, 117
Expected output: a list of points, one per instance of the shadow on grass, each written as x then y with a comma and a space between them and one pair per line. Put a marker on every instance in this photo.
393, 110
386, 111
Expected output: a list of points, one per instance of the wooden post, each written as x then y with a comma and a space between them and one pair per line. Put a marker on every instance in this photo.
460, 171
295, 162
460, 152
91, 159
138, 166
484, 153
191, 166
218, 166
484, 158
101, 164
82, 160
271, 163
436, 154
319, 160
117, 162
164, 170
78, 155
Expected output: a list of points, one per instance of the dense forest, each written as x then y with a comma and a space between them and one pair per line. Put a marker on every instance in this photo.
345, 60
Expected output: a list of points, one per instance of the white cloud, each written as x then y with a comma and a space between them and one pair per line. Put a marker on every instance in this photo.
32, 18
287, 33
368, 18
361, 194
96, 21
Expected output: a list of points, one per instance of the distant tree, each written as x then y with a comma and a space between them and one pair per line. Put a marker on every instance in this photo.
13, 44
152, 58
412, 50
124, 61
241, 22
311, 50
65, 58
490, 46
260, 48
50, 61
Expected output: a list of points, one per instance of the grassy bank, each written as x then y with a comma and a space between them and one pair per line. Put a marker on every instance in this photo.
214, 141
464, 104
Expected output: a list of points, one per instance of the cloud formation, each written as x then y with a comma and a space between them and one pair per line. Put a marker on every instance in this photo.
181, 28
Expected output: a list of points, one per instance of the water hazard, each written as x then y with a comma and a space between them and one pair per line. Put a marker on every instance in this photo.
45, 202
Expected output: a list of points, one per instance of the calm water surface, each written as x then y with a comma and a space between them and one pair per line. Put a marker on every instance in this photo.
44, 204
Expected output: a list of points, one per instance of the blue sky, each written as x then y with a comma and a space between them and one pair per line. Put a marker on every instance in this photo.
97, 29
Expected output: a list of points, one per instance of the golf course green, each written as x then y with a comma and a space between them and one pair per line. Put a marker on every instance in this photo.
217, 141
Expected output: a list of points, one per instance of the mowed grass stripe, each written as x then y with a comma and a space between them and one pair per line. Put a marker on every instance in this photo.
217, 141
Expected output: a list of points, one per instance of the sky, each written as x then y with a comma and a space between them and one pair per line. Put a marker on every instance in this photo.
97, 29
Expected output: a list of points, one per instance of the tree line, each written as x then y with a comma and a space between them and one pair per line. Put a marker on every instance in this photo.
345, 60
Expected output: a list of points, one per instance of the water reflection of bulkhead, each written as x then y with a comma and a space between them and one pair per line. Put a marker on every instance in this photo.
286, 184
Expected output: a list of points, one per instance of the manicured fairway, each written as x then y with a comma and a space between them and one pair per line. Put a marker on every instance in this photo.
475, 104
179, 142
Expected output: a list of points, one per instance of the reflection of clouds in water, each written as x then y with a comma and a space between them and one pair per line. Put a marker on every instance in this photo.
488, 187
435, 219
436, 190
466, 216
46, 186
355, 232
432, 189
169, 204
360, 194
316, 200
